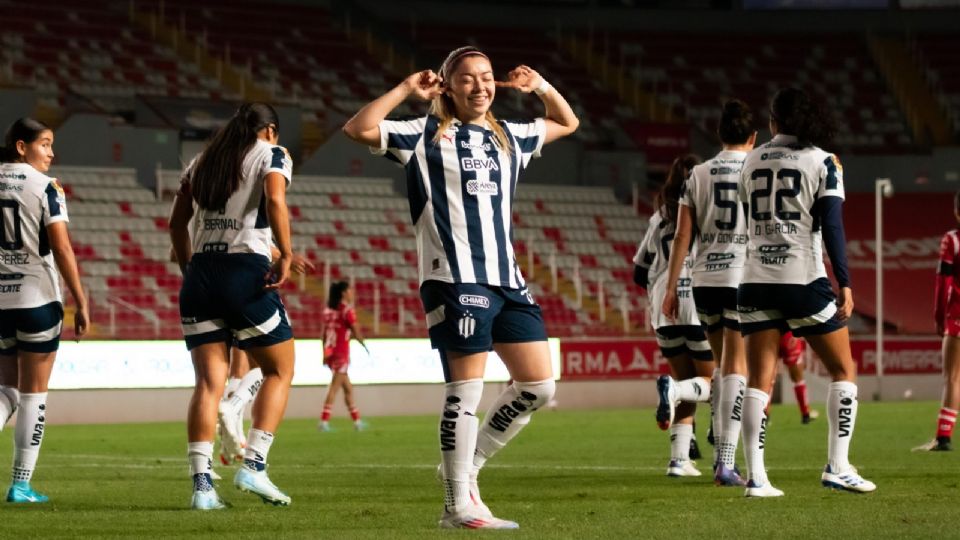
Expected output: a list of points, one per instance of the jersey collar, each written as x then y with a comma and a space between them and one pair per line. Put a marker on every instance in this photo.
781, 139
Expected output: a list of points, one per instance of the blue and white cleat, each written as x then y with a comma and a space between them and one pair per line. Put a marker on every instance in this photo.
848, 480
765, 490
259, 484
21, 492
722, 476
667, 392
207, 500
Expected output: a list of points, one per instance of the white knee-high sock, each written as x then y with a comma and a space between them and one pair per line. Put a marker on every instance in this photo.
715, 386
731, 417
200, 456
458, 440
9, 400
257, 449
842, 409
680, 435
246, 390
232, 384
693, 390
28, 435
509, 414
755, 433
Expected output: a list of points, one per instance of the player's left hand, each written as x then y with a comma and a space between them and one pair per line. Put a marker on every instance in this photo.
522, 78
844, 304
279, 274
301, 265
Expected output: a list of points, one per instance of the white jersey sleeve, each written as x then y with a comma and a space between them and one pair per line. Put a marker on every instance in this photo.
529, 137
54, 203
831, 178
399, 139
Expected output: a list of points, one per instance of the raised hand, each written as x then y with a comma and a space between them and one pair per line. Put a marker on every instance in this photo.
425, 85
522, 78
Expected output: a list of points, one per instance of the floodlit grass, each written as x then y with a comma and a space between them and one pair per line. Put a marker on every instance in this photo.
571, 474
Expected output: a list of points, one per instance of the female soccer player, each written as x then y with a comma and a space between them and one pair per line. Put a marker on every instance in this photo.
339, 324
709, 204
792, 192
947, 317
462, 167
682, 340
36, 254
237, 188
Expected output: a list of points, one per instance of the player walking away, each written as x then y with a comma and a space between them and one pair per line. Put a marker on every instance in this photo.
339, 325
947, 316
462, 167
709, 207
791, 352
36, 254
236, 187
682, 340
792, 192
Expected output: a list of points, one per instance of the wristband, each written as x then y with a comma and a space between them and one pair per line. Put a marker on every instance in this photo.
543, 88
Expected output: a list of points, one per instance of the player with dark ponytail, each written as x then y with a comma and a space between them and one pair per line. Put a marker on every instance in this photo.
709, 206
233, 197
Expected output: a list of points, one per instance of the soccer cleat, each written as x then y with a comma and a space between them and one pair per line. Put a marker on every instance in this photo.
722, 476
682, 467
810, 417
848, 480
21, 492
231, 437
766, 490
258, 483
473, 518
324, 427
666, 408
207, 500
360, 425
940, 444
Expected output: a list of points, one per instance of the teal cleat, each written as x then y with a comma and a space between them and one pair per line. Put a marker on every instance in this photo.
21, 492
207, 500
259, 484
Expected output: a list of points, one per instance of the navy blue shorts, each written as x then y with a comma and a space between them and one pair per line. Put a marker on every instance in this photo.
31, 329
806, 310
222, 298
717, 307
470, 318
676, 340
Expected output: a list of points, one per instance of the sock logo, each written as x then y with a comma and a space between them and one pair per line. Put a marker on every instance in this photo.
37, 435
448, 424
697, 388
504, 416
763, 431
451, 407
846, 419
737, 408
255, 388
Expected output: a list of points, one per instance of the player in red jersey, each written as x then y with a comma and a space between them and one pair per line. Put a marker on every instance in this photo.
791, 352
947, 316
339, 325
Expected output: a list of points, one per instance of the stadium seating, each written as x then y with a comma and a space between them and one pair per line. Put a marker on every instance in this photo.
88, 48
694, 73
938, 56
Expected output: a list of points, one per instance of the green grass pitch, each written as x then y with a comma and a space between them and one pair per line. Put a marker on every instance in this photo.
570, 474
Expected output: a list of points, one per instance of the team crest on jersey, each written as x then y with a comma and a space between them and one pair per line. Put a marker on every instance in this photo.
482, 187
467, 325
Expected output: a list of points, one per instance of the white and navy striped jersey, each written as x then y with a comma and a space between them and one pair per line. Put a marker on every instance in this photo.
461, 195
711, 193
653, 253
29, 201
241, 226
781, 184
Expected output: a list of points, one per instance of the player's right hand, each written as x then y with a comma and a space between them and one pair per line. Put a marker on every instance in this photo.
280, 273
671, 305
425, 85
81, 322
844, 304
